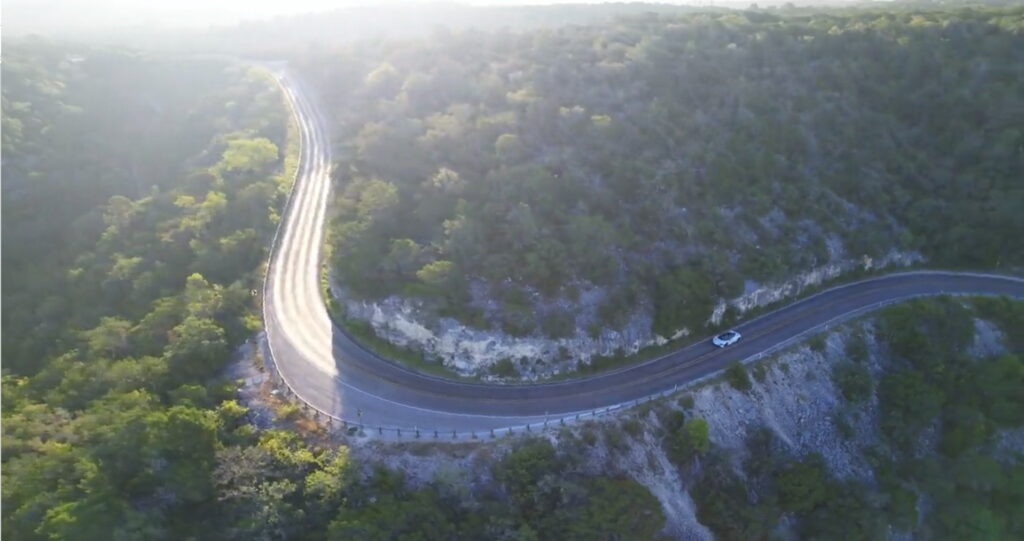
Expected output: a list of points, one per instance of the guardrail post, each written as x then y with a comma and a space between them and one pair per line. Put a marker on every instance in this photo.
527, 427
435, 434
417, 432
399, 432
453, 434
380, 430
492, 433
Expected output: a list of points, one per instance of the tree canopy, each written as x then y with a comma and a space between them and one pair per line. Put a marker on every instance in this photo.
672, 156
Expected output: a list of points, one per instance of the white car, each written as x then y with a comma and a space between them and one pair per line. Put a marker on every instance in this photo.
727, 338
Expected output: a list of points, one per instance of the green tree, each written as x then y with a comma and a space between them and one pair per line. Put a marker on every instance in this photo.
689, 440
197, 348
249, 156
803, 485
615, 510
109, 338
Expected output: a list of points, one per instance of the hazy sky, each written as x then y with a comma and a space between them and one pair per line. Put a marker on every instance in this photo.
55, 16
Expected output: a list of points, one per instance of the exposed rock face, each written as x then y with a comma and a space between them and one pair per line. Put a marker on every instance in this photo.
798, 402
757, 295
471, 351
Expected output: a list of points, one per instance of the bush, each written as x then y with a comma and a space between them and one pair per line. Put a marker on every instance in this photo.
857, 348
614, 439
558, 324
524, 466
614, 509
588, 436
505, 368
723, 505
632, 426
802, 485
737, 376
688, 441
287, 411
853, 380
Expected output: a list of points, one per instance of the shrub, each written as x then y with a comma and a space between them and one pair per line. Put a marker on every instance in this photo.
853, 380
613, 438
588, 436
802, 485
857, 348
505, 368
287, 411
737, 376
632, 426
558, 324
817, 343
688, 440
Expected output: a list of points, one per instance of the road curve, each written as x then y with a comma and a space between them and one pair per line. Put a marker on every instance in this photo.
329, 372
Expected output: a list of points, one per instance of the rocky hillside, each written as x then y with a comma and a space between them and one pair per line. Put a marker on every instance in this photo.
907, 425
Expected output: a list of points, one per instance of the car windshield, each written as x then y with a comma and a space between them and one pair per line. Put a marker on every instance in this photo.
726, 335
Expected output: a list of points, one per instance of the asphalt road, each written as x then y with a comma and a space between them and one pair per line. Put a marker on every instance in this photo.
325, 369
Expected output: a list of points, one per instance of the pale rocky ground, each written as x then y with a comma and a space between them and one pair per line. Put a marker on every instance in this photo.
471, 352
794, 397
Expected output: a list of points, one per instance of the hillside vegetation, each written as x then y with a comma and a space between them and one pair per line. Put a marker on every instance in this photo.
117, 422
111, 192
662, 163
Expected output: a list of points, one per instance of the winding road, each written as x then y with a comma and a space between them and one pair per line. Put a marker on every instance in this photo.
336, 377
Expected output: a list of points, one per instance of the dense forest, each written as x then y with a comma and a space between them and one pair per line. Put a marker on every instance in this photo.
664, 160
140, 195
668, 161
81, 126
